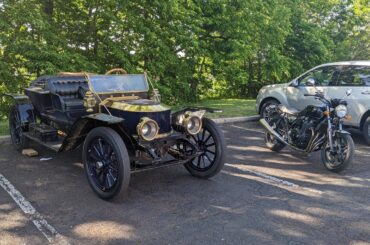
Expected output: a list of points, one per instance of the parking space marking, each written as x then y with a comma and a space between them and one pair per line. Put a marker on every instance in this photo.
249, 130
49, 232
274, 179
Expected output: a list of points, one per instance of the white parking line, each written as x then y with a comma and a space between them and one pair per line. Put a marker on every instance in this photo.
274, 179
247, 129
41, 224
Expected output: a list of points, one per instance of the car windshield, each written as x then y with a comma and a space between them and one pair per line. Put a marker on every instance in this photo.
119, 83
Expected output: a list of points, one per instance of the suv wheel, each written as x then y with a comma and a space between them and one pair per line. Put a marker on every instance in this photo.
366, 130
263, 113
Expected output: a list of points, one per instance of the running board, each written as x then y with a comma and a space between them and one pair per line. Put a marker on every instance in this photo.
166, 164
52, 145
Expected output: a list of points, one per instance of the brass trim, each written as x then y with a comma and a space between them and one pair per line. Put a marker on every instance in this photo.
121, 105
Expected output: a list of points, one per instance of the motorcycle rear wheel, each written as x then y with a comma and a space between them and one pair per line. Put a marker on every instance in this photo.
344, 151
272, 143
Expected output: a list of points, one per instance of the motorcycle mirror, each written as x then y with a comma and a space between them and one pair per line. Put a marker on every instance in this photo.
311, 82
349, 92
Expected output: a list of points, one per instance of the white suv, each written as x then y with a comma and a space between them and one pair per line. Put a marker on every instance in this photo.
334, 80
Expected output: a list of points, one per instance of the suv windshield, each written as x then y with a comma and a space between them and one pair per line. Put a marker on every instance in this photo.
119, 83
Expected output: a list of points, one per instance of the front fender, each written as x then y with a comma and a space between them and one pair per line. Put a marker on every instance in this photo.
83, 126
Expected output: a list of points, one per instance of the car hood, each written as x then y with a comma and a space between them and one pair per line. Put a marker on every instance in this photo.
140, 105
278, 86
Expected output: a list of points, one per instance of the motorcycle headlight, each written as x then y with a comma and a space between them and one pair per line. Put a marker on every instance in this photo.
192, 124
341, 111
147, 129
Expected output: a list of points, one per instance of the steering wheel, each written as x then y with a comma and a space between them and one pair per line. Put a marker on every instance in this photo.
116, 71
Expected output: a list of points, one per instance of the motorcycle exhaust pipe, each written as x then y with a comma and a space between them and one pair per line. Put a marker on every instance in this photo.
278, 137
272, 131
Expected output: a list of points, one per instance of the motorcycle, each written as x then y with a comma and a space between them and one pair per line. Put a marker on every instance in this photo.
313, 129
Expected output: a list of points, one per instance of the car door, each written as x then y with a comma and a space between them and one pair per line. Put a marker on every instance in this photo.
356, 78
323, 77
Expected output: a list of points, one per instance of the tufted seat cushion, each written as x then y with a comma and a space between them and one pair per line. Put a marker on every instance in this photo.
67, 92
73, 104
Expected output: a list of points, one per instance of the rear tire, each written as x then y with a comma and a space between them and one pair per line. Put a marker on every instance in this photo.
16, 130
366, 130
272, 143
106, 163
338, 163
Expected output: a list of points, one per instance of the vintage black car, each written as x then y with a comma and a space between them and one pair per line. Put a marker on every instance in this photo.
120, 124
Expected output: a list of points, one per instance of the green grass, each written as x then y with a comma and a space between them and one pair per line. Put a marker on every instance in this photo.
4, 127
229, 107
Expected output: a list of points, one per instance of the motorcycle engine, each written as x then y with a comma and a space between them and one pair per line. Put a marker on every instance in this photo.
300, 132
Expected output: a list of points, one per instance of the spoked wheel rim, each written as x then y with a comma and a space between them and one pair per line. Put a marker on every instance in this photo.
207, 146
16, 131
102, 164
341, 152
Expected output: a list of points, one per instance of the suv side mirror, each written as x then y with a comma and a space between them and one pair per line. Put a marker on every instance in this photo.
310, 82
294, 83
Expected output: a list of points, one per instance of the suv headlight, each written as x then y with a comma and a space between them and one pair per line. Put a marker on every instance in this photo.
341, 111
147, 129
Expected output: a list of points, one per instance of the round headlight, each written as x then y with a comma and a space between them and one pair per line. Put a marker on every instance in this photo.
147, 129
192, 124
341, 111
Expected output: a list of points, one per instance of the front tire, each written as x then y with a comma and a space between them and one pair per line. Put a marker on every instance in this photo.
366, 131
344, 146
263, 111
211, 141
106, 163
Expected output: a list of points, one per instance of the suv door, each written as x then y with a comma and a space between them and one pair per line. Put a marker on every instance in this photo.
356, 78
324, 76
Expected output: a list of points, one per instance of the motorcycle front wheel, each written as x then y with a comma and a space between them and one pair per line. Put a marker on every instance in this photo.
341, 157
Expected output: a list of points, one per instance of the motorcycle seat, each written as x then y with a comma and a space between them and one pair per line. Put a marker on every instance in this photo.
288, 110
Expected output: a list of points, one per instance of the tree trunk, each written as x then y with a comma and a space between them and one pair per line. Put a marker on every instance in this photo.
250, 78
49, 9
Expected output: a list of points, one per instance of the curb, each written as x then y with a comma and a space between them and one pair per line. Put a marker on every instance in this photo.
6, 138
236, 119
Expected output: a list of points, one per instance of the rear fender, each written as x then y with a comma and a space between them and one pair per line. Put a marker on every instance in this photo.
24, 107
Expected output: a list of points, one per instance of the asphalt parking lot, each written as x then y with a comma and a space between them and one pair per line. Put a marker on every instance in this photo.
260, 197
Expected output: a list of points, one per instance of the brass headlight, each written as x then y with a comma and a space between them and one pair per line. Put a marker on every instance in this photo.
147, 129
192, 124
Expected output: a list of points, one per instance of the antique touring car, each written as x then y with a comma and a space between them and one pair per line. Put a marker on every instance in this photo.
121, 125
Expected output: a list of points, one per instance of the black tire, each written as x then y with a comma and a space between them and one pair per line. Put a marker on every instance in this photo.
109, 163
16, 130
272, 143
343, 162
265, 105
366, 130
211, 140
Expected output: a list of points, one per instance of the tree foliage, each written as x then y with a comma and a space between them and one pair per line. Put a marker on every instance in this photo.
190, 48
